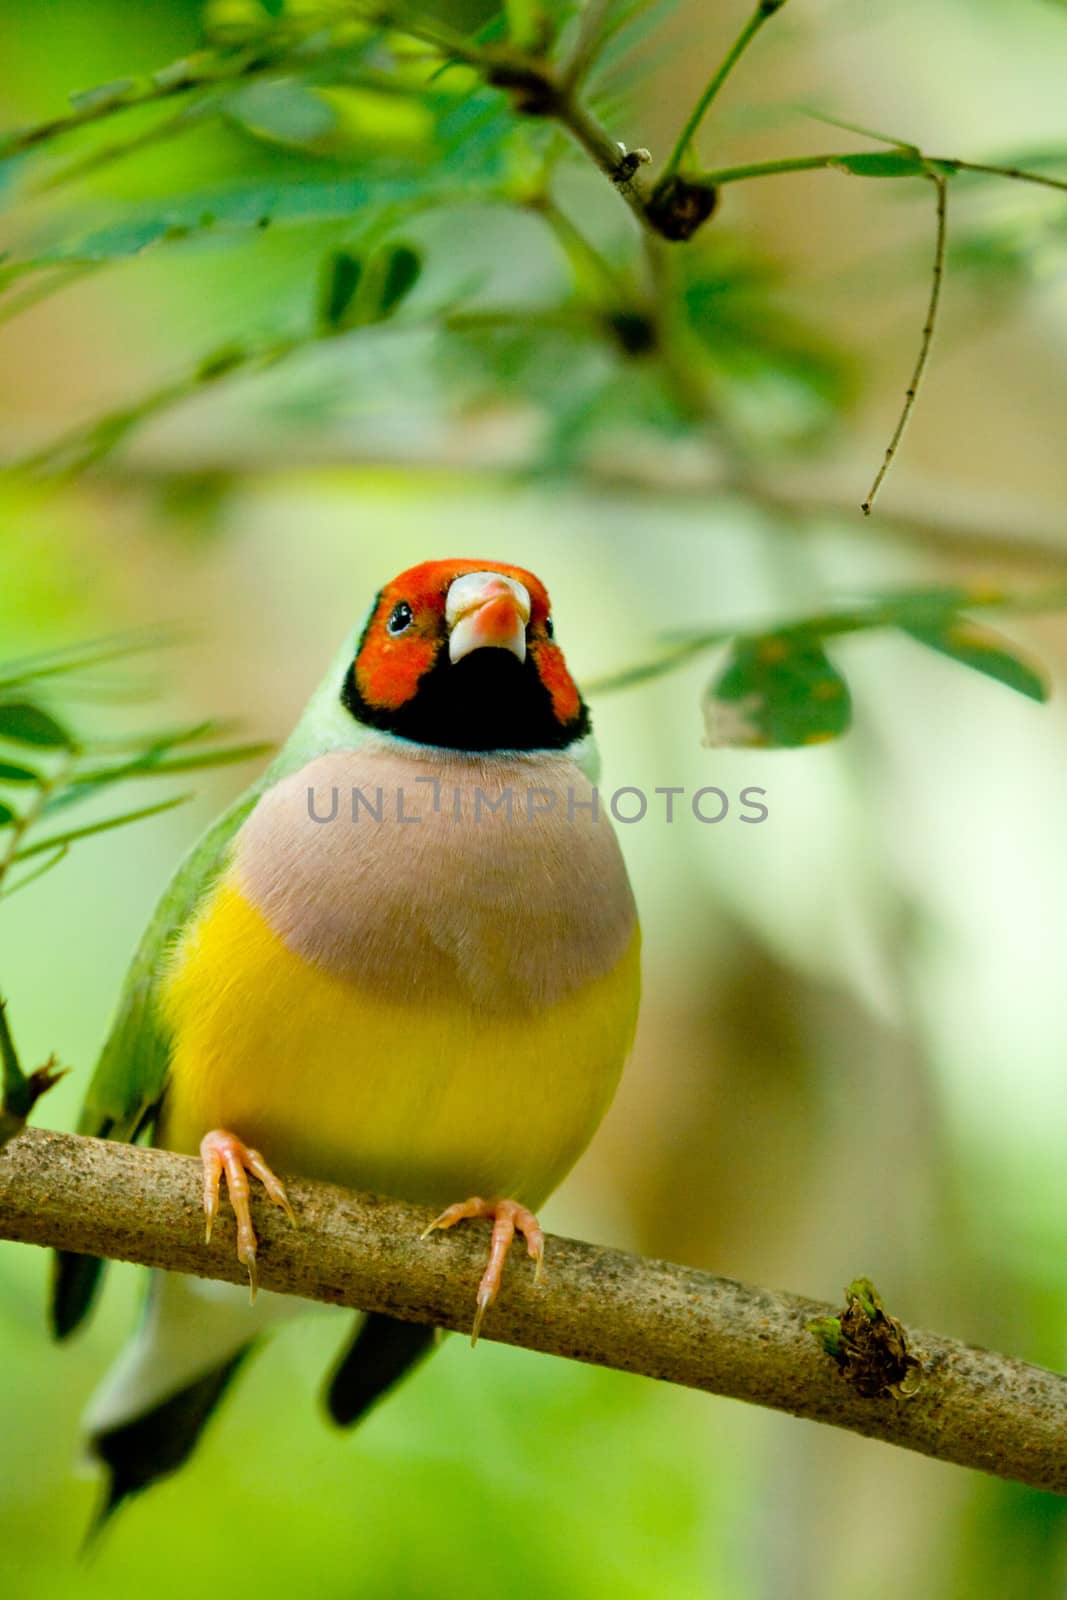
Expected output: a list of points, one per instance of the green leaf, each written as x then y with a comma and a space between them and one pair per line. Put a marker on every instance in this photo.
28, 724
6, 815
924, 608
57, 841
983, 651
75, 658
156, 763
777, 690
162, 739
402, 268
341, 275
252, 207
884, 164
286, 113
10, 773
352, 296
337, 121
220, 363
199, 760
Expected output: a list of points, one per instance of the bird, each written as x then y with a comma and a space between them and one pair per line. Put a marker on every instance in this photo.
406, 960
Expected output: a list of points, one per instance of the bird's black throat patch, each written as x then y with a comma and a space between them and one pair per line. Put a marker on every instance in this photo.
489, 700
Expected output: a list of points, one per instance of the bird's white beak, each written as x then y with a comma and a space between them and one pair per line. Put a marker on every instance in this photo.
486, 610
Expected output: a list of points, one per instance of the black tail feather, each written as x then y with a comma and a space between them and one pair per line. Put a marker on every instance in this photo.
75, 1280
159, 1441
380, 1353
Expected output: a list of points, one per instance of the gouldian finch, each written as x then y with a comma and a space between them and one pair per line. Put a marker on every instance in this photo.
406, 960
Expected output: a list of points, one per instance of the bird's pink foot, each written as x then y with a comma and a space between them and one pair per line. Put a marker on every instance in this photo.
223, 1153
507, 1216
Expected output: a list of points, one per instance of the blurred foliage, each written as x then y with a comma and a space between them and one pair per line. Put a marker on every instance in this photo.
414, 116
385, 116
53, 768
778, 689
304, 277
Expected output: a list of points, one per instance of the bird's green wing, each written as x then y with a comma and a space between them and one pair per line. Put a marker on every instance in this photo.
132, 1071
130, 1076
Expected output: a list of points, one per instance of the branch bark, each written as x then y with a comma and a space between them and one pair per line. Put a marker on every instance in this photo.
964, 1405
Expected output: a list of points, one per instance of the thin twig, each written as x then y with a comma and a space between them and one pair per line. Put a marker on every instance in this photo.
582, 57
585, 260
131, 95
44, 788
1011, 172
763, 12
963, 1405
941, 185
614, 162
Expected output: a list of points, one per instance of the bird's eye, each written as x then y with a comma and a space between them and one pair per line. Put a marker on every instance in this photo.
400, 618
550, 628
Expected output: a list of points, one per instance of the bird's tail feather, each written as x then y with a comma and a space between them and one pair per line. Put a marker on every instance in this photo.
150, 1410
146, 1418
75, 1280
157, 1442
380, 1352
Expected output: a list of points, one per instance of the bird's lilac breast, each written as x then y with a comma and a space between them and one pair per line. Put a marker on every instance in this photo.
493, 882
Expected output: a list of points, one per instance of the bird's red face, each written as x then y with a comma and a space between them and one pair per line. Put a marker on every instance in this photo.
461, 654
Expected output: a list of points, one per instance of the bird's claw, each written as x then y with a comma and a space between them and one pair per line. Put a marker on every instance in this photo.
508, 1217
223, 1153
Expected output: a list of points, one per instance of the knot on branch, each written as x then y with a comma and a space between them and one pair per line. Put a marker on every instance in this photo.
20, 1091
635, 333
678, 206
532, 91
869, 1346
16, 1104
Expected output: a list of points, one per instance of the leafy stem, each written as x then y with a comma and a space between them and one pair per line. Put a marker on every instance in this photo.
902, 162
127, 94
921, 612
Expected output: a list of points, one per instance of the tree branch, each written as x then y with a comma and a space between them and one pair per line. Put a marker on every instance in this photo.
963, 1405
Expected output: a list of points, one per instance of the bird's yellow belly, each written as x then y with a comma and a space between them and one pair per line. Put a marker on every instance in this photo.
430, 1103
